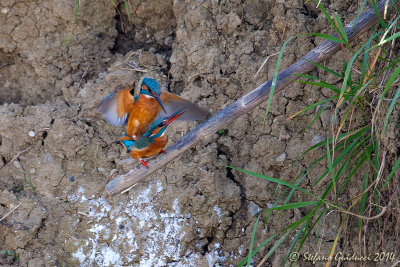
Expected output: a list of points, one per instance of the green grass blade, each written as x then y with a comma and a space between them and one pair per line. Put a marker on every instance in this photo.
339, 158
293, 206
312, 106
394, 169
344, 154
326, 69
275, 77
358, 14
327, 37
252, 240
355, 134
383, 24
355, 169
310, 229
347, 79
257, 249
363, 203
126, 8
319, 113
291, 226
320, 224
389, 111
75, 18
394, 36
297, 184
296, 239
327, 15
322, 84
376, 172
277, 244
365, 60
330, 167
391, 107
271, 179
391, 80
341, 30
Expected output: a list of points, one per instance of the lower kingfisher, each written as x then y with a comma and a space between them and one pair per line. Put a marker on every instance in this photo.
153, 141
121, 107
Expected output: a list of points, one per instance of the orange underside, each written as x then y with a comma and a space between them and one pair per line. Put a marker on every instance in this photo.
151, 150
142, 114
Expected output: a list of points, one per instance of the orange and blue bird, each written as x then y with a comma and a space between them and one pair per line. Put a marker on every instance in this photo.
153, 141
121, 107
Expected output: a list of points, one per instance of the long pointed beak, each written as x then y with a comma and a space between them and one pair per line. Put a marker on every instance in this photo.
159, 101
174, 117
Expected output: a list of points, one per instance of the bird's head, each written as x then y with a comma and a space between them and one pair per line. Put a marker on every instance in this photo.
152, 88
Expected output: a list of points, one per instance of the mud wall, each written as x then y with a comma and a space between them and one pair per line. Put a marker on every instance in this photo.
55, 148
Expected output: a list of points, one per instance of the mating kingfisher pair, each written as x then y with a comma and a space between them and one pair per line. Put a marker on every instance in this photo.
145, 122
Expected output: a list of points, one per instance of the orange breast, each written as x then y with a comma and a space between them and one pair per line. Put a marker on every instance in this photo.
142, 115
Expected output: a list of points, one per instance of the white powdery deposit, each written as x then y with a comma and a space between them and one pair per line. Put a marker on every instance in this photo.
135, 233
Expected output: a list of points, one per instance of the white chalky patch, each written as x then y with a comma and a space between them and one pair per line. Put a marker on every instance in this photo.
137, 233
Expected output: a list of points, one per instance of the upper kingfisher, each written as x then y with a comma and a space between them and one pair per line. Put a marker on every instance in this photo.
121, 107
153, 141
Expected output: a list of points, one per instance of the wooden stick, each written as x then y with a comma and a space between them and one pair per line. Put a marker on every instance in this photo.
11, 211
248, 102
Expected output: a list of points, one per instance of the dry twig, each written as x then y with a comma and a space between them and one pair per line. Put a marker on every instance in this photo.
11, 211
19, 154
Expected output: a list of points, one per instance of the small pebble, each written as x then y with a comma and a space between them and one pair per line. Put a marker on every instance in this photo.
121, 226
48, 158
32, 133
72, 178
32, 171
253, 208
281, 157
4, 10
317, 139
17, 164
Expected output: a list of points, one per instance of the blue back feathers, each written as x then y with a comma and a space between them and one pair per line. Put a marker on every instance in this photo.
152, 127
128, 144
147, 137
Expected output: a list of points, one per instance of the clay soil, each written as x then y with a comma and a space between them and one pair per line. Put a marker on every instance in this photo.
56, 154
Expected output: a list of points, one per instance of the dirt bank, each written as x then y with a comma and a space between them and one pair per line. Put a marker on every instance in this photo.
55, 148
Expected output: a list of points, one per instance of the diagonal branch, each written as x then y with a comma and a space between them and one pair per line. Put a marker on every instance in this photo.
248, 102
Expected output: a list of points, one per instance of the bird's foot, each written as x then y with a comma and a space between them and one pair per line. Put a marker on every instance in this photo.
125, 137
144, 163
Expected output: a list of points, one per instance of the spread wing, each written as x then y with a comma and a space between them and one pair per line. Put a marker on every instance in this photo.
174, 103
116, 106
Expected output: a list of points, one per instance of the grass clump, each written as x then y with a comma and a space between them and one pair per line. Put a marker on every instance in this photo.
361, 108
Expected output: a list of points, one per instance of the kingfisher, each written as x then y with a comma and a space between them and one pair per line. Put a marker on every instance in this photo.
153, 141
121, 107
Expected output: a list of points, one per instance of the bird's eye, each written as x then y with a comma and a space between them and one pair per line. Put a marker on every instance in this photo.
163, 123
